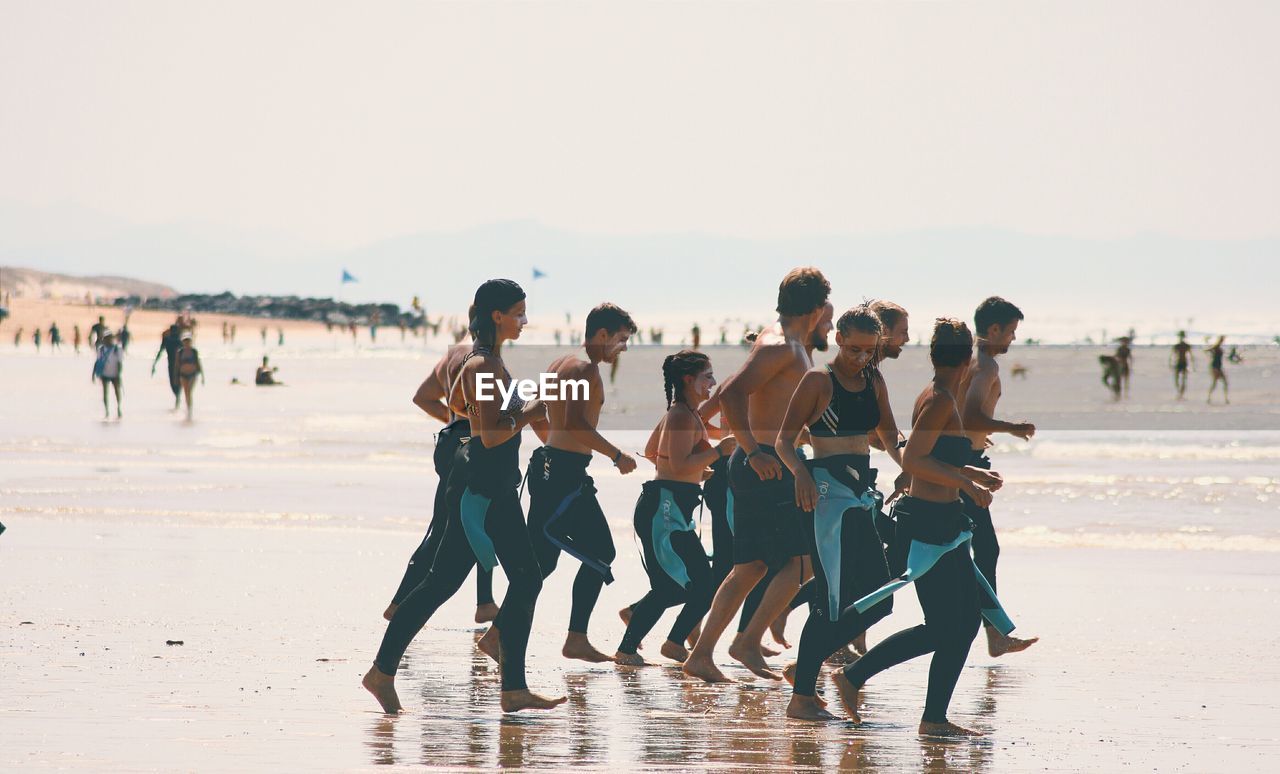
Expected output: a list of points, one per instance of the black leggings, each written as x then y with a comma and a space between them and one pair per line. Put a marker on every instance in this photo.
553, 476
504, 524
986, 549
664, 591
864, 569
948, 595
420, 563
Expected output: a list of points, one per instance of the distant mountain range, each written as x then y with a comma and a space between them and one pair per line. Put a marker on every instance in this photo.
31, 283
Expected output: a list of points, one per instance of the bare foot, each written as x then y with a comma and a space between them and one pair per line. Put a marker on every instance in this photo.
629, 659
692, 639
383, 688
489, 645
946, 730
390, 611
674, 651
514, 701
703, 668
625, 615
577, 646
768, 652
751, 658
486, 612
807, 708
778, 630
999, 644
848, 693
860, 644
842, 656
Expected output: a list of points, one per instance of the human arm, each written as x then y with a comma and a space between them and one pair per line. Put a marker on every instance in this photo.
976, 418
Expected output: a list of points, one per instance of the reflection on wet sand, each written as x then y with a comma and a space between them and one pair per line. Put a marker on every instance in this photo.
656, 718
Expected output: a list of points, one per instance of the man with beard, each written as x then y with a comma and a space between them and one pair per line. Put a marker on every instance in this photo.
768, 530
564, 514
996, 324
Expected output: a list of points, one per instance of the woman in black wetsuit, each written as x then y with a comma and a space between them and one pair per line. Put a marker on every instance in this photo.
931, 521
486, 523
840, 404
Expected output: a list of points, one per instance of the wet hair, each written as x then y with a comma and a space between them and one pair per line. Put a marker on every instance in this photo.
802, 291
889, 313
611, 317
952, 343
495, 295
860, 318
675, 367
995, 311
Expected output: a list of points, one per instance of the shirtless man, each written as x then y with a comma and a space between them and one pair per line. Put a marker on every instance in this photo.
768, 530
996, 323
430, 397
564, 514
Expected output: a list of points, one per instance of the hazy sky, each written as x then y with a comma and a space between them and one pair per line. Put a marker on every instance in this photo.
330, 125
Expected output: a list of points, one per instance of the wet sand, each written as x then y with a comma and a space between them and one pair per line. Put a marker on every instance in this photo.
1152, 660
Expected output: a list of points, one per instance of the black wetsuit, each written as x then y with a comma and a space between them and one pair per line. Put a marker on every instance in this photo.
674, 559
948, 593
564, 514
450, 437
171, 343
487, 525
844, 546
986, 548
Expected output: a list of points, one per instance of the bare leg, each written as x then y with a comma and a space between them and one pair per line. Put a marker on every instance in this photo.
119, 410
729, 597
674, 651
746, 646
848, 693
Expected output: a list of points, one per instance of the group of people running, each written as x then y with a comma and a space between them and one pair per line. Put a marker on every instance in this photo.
788, 529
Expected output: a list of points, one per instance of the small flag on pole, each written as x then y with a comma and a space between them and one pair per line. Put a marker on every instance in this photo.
346, 277
538, 273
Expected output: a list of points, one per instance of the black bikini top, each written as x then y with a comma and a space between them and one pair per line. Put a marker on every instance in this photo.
516, 404
849, 413
952, 450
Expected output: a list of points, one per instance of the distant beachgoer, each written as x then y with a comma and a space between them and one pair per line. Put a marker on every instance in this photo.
17, 338
1019, 371
170, 343
280, 337
76, 338
37, 337
108, 367
1234, 356
233, 333
697, 336
1180, 361
188, 367
1111, 374
1216, 353
55, 337
266, 375
226, 332
96, 332
125, 336
264, 335
1124, 360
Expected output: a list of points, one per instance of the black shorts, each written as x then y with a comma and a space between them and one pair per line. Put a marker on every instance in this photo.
767, 525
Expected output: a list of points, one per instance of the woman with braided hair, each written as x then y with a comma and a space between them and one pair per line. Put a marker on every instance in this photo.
677, 564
